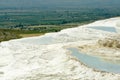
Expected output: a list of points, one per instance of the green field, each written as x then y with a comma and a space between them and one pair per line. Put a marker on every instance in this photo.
23, 22
15, 18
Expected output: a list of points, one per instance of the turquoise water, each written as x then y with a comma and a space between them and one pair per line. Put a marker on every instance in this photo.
109, 29
39, 41
95, 62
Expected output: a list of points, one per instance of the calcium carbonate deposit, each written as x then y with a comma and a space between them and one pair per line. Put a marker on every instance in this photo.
48, 58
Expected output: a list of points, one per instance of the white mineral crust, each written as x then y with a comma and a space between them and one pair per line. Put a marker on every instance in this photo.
26, 59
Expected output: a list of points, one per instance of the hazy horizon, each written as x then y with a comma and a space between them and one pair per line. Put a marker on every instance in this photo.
58, 3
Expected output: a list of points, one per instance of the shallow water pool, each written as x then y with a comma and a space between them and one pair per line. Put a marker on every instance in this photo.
95, 62
108, 29
44, 40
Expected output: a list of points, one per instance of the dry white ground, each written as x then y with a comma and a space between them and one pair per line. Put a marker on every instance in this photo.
26, 59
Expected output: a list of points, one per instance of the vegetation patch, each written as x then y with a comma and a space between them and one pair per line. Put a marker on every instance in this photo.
6, 34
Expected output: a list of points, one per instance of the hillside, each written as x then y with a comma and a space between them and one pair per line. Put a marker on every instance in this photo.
6, 34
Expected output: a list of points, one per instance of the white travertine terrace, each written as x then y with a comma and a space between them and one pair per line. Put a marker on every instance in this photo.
26, 59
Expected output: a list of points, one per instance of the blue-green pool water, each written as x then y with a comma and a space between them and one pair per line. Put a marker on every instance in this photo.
108, 29
95, 62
